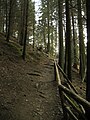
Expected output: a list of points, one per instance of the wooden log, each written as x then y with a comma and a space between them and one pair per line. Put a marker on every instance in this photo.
60, 92
71, 113
63, 104
76, 97
57, 75
70, 85
72, 103
78, 110
80, 101
67, 79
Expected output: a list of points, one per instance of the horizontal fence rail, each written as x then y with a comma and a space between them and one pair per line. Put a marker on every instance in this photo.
72, 104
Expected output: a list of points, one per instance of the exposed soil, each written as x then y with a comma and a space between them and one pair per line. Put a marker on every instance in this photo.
28, 90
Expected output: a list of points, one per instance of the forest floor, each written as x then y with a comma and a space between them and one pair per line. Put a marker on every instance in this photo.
28, 90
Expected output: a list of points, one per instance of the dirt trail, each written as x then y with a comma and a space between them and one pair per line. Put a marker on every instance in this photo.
46, 98
27, 88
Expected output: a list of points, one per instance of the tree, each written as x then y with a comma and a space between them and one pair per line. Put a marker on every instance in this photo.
25, 26
74, 37
88, 58
48, 19
68, 40
1, 15
21, 26
11, 4
46, 28
60, 4
6, 16
81, 41
33, 18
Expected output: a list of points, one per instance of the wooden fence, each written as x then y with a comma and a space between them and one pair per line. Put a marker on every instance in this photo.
72, 104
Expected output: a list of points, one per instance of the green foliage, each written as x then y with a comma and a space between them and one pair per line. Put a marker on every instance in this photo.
45, 31
47, 28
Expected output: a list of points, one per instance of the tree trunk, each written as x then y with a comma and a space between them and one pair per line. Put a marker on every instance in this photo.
48, 45
9, 22
21, 29
81, 42
56, 34
6, 17
75, 47
51, 45
66, 55
25, 30
60, 4
88, 59
68, 39
44, 34
33, 25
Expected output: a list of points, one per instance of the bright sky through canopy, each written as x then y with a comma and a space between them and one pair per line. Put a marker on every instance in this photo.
37, 4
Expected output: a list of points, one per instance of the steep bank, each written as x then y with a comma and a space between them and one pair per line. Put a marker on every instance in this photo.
27, 88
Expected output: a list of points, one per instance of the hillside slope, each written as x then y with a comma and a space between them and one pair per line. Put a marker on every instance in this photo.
27, 88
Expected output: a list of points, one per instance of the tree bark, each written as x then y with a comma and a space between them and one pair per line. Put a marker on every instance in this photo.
21, 29
9, 22
88, 58
68, 39
6, 17
33, 25
60, 5
48, 44
25, 29
81, 42
74, 37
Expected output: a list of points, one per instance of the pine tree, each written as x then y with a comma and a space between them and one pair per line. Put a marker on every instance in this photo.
60, 5
25, 27
74, 37
81, 41
88, 59
68, 39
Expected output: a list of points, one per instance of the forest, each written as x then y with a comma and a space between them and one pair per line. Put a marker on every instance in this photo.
33, 35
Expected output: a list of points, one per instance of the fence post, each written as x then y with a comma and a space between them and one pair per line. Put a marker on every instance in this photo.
65, 117
60, 93
54, 72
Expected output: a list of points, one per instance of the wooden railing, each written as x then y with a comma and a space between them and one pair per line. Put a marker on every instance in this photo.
72, 104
